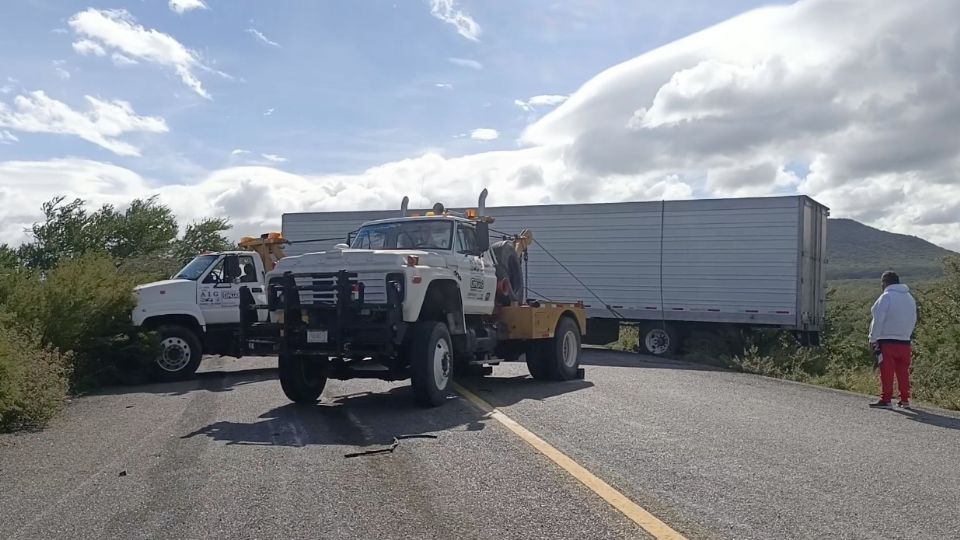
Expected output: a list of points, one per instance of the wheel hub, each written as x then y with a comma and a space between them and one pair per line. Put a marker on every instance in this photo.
657, 341
569, 349
175, 354
441, 364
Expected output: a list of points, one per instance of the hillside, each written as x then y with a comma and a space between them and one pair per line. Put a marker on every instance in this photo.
856, 251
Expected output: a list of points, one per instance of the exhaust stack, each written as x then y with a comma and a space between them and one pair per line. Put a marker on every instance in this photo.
482, 203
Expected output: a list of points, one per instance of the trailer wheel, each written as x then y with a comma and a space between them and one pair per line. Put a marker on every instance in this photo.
659, 340
301, 378
180, 353
431, 363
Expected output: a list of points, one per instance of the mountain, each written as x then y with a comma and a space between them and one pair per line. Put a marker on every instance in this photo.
856, 251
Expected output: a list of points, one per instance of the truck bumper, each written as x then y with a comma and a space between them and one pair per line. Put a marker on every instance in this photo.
341, 325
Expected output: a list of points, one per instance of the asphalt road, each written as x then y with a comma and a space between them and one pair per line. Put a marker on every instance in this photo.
713, 454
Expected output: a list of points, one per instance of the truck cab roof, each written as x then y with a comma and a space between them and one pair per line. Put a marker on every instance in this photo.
447, 217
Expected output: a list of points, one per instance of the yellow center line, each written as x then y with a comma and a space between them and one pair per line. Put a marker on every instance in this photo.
632, 510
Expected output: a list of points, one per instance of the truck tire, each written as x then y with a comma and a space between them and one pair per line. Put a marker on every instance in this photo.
180, 353
560, 356
301, 378
431, 363
535, 363
659, 340
508, 267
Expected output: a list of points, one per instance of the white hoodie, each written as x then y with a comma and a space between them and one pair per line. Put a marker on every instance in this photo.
894, 314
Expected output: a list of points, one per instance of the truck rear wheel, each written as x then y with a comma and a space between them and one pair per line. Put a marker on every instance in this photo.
180, 353
557, 359
301, 378
431, 363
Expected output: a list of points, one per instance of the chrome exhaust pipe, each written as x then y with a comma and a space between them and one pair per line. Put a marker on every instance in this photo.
482, 203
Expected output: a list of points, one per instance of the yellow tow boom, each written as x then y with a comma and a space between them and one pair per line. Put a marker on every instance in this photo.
269, 246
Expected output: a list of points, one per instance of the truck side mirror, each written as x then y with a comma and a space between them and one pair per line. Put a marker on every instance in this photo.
231, 268
483, 236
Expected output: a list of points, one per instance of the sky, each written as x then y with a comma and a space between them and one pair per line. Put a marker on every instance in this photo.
249, 109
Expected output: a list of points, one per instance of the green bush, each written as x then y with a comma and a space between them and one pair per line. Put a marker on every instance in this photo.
33, 381
845, 362
83, 305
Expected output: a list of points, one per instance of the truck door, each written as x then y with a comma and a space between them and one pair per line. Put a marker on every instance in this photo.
478, 279
218, 293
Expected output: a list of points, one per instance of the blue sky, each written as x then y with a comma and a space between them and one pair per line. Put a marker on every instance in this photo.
350, 84
248, 110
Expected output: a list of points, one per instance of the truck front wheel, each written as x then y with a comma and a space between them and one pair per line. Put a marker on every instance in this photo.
431, 363
180, 353
301, 378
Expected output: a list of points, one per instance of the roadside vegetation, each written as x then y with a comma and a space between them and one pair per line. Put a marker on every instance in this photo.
66, 297
844, 361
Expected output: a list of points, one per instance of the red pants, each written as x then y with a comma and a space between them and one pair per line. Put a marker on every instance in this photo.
896, 363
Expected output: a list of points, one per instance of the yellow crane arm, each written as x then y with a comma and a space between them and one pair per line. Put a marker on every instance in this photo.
268, 246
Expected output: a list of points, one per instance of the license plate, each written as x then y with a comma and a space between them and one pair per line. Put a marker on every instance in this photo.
316, 336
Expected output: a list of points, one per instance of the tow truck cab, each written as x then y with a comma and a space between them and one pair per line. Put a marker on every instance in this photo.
196, 311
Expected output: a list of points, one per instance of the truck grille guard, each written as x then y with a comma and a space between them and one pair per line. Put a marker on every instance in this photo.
338, 306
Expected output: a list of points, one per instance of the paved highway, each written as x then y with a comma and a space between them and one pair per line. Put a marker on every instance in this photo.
712, 454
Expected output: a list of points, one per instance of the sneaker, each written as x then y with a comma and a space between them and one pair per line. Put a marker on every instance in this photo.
881, 405
905, 404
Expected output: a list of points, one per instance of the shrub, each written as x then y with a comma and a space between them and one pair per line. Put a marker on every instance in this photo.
845, 362
83, 305
33, 381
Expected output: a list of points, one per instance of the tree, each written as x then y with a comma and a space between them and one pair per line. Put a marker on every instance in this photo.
8, 257
145, 229
204, 235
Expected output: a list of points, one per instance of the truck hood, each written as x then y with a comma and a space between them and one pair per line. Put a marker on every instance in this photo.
354, 260
168, 290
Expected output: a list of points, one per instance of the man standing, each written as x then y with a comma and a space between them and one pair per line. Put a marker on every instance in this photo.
894, 318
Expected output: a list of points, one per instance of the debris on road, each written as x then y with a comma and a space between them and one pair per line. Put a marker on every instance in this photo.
393, 446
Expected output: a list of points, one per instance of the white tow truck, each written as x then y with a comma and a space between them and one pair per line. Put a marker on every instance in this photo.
418, 297
197, 311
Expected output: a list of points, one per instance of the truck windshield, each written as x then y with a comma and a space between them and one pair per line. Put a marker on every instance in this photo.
195, 268
414, 234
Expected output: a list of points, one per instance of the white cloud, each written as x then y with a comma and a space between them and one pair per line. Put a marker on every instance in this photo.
467, 63
274, 158
59, 31
528, 176
262, 38
239, 152
447, 86
60, 70
118, 30
87, 47
547, 100
871, 115
484, 134
447, 11
183, 6
101, 124
269, 111
121, 60
6, 137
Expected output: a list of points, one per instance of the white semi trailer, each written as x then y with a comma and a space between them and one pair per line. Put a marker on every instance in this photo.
673, 268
